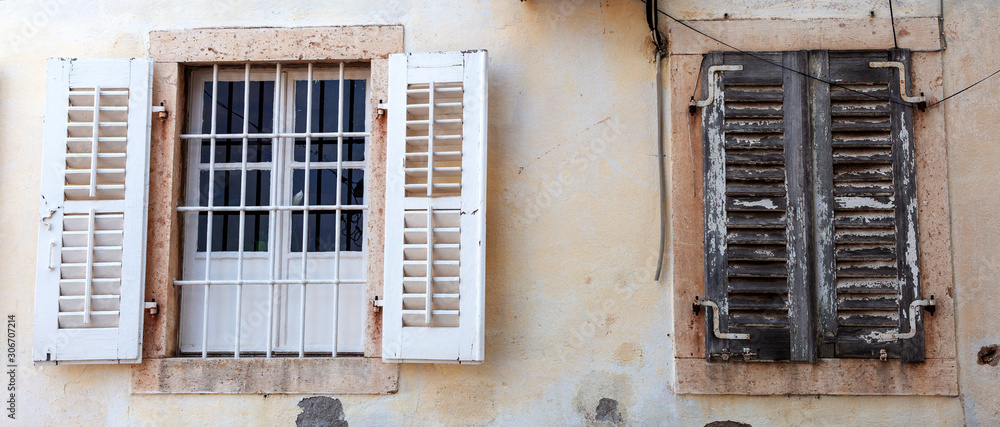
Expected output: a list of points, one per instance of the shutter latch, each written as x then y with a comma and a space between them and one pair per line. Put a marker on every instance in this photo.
914, 311
698, 303
921, 101
711, 86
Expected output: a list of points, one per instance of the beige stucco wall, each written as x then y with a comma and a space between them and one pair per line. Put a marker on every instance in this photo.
573, 314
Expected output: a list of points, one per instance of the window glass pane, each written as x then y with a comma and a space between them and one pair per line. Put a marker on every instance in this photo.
231, 150
323, 189
229, 119
324, 119
320, 235
229, 110
225, 225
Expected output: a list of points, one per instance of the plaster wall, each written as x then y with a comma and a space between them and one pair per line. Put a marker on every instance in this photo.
573, 314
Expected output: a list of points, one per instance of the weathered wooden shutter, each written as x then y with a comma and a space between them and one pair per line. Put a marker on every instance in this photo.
435, 208
867, 262
91, 240
757, 208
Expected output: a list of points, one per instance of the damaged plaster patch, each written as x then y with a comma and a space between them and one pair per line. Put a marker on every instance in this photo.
607, 410
989, 355
727, 424
321, 411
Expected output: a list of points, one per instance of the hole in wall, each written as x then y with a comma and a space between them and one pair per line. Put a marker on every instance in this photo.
989, 355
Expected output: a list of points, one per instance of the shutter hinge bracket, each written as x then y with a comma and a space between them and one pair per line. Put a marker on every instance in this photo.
725, 355
692, 108
381, 108
698, 303
151, 307
377, 304
161, 110
928, 305
921, 101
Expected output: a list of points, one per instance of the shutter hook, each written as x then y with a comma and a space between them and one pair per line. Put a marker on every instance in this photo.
711, 86
46, 218
715, 320
928, 304
921, 101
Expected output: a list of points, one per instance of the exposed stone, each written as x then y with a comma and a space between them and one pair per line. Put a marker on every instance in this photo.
321, 411
607, 410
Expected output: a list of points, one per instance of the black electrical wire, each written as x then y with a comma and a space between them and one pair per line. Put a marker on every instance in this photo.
892, 18
807, 75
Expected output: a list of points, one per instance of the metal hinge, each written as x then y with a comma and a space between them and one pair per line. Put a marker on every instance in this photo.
919, 100
377, 304
381, 108
711, 86
161, 110
928, 304
151, 307
715, 320
747, 355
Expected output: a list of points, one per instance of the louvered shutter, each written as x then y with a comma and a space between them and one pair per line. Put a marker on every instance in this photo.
756, 208
91, 239
435, 208
866, 210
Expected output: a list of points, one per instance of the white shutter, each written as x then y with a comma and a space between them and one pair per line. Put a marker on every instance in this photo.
435, 208
92, 235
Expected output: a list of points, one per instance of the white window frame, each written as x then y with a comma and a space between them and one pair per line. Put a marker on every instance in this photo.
285, 301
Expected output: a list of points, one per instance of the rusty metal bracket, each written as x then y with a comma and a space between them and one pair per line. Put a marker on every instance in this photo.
377, 304
921, 101
712, 86
698, 303
914, 311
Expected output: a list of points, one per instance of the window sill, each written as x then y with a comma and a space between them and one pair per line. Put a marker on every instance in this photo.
345, 375
857, 377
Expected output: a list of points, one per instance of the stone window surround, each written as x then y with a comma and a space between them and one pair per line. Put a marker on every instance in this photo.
693, 375
162, 372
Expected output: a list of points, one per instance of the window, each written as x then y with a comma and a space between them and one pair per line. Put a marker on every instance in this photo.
248, 287
296, 198
810, 209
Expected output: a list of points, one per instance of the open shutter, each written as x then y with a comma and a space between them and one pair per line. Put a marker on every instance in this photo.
866, 211
435, 208
91, 240
756, 208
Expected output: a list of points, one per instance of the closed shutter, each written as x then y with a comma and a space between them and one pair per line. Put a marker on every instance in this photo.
756, 208
866, 211
435, 208
91, 240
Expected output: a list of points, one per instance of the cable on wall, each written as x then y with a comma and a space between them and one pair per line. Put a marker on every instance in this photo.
652, 19
809, 76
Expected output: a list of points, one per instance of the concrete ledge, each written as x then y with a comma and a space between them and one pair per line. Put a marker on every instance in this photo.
860, 377
346, 375
214, 45
785, 34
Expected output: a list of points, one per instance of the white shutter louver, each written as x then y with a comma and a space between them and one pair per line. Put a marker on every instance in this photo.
92, 235
435, 208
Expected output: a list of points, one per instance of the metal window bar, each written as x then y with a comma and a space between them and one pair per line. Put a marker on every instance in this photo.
211, 202
305, 212
278, 164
